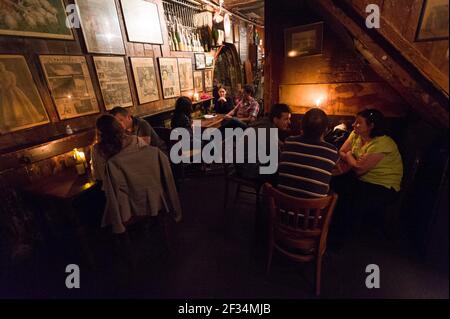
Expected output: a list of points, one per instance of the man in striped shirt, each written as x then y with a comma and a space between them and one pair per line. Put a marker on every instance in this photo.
307, 160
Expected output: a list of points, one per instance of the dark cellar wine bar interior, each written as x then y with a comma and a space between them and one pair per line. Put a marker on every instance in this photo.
224, 150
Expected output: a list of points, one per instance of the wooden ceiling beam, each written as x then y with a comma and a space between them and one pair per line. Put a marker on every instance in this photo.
426, 102
408, 50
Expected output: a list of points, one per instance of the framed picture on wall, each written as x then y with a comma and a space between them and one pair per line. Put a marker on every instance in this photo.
42, 19
113, 79
100, 26
208, 80
142, 21
170, 80
21, 105
304, 40
70, 85
433, 23
209, 61
144, 73
185, 70
198, 81
200, 61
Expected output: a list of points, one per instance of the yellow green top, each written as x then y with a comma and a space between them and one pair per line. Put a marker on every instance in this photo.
389, 171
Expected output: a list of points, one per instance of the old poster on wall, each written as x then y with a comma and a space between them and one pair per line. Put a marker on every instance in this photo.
198, 81
70, 85
208, 80
100, 26
43, 18
145, 78
113, 79
168, 68
20, 103
185, 69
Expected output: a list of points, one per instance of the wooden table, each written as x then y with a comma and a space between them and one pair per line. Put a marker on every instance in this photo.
63, 189
213, 122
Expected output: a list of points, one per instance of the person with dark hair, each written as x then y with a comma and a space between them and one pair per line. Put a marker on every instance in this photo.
374, 170
111, 140
137, 126
223, 104
245, 112
307, 160
182, 115
372, 155
279, 118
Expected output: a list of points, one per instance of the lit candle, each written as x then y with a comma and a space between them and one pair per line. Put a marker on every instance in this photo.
80, 161
318, 102
196, 96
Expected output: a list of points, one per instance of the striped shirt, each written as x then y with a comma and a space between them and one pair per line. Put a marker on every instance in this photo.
305, 167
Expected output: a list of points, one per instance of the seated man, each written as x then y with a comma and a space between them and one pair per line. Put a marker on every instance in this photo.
307, 160
279, 118
139, 127
245, 112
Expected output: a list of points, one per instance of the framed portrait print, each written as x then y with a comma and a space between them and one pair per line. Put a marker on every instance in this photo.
41, 19
145, 78
70, 85
112, 75
208, 80
200, 61
433, 24
21, 105
185, 70
304, 40
198, 81
170, 80
100, 26
142, 21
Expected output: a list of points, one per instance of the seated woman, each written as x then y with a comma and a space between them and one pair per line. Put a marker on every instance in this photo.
182, 116
223, 104
375, 170
111, 140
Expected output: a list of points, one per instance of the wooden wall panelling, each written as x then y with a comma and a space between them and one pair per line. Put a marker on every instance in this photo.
424, 102
400, 18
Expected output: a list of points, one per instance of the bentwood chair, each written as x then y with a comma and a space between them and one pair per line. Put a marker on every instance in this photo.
298, 228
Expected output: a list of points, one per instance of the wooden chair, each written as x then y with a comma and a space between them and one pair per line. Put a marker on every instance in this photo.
299, 228
232, 177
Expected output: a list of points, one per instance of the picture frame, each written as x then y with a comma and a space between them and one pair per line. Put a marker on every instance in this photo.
113, 79
209, 61
185, 71
305, 40
170, 79
142, 21
52, 25
100, 26
208, 79
198, 81
24, 107
70, 85
434, 21
144, 73
200, 61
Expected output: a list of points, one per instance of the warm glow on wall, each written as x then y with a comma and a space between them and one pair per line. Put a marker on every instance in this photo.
319, 101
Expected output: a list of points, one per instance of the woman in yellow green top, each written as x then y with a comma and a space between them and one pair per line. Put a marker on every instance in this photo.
376, 171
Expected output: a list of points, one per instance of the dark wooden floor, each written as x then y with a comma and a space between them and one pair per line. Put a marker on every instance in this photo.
216, 254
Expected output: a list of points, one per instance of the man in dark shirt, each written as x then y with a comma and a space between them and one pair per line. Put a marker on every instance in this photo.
137, 126
307, 160
278, 118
